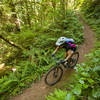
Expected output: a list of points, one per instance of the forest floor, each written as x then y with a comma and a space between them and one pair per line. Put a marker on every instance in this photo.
39, 90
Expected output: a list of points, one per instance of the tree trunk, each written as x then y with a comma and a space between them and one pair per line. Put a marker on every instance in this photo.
28, 16
14, 17
62, 3
54, 9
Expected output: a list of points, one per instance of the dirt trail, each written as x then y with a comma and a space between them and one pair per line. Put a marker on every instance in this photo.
39, 90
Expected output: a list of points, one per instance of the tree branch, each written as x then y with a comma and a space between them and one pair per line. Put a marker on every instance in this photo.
10, 42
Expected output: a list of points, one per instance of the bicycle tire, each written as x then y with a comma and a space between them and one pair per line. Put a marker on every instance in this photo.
69, 61
59, 78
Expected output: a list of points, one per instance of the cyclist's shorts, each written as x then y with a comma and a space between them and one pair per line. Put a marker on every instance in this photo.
73, 49
69, 48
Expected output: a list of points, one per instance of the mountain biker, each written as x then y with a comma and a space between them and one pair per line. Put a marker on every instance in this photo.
68, 44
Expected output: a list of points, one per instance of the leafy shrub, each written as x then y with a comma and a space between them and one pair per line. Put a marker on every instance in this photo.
60, 95
8, 27
57, 95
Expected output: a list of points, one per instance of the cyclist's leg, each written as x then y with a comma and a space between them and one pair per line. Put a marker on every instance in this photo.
66, 54
69, 53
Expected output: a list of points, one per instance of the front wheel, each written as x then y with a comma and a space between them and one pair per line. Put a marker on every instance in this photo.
53, 76
73, 59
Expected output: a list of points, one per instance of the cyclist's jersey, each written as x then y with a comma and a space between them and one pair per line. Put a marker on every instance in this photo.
69, 44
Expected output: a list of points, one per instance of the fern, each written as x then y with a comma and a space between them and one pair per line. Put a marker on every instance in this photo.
10, 84
57, 95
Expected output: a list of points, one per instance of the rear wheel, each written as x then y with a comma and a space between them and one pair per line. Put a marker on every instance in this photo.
53, 76
73, 59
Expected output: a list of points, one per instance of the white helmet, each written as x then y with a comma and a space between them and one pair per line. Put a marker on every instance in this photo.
60, 41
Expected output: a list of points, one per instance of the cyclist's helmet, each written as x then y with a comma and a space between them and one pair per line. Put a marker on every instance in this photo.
61, 41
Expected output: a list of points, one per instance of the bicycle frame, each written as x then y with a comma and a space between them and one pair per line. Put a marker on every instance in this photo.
58, 62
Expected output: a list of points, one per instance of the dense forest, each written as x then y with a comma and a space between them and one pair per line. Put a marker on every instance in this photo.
28, 32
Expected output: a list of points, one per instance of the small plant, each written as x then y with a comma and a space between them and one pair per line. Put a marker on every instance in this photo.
57, 95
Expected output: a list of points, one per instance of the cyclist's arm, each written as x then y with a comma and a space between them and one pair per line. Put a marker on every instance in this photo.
56, 49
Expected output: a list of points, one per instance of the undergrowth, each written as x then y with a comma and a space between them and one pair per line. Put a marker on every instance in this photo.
33, 62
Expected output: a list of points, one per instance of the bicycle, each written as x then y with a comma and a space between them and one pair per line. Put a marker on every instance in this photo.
54, 75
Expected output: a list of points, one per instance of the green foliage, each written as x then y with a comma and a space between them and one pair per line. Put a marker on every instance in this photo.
57, 95
8, 85
92, 8
60, 95
70, 96
15, 81
44, 37
88, 74
42, 23
69, 27
86, 81
8, 28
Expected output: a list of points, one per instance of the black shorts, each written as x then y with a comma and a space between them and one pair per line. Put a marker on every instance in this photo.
73, 49
69, 48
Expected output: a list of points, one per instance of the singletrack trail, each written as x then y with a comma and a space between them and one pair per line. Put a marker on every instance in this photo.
39, 90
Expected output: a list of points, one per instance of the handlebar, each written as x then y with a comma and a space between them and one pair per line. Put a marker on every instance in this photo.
57, 60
